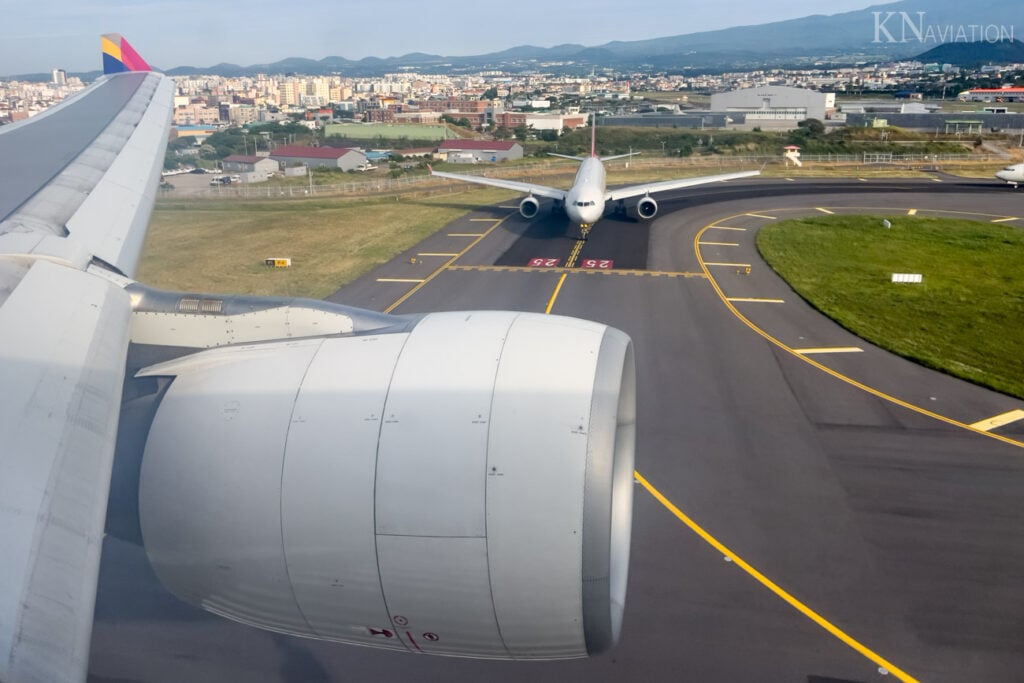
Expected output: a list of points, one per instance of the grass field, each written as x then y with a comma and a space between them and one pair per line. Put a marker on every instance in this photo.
966, 318
219, 246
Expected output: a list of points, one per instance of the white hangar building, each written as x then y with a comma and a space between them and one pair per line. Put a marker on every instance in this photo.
776, 103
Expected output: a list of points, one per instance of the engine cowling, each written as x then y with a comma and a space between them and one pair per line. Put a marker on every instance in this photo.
647, 207
529, 207
461, 489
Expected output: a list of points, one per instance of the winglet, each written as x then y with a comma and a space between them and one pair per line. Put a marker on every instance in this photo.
119, 56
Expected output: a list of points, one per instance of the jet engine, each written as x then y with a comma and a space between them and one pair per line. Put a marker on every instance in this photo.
529, 207
460, 488
647, 207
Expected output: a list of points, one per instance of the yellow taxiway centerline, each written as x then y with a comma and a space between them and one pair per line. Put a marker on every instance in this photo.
772, 586
756, 301
831, 349
719, 244
823, 210
723, 227
999, 420
760, 215
554, 294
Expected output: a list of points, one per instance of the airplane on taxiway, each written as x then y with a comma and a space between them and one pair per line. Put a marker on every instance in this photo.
468, 513
584, 203
1013, 174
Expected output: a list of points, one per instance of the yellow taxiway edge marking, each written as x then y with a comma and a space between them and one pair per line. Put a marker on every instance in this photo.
719, 244
434, 253
757, 301
911, 212
1005, 220
999, 420
731, 265
554, 294
398, 302
841, 377
398, 279
774, 587
832, 349
484, 220
723, 227
760, 215
823, 210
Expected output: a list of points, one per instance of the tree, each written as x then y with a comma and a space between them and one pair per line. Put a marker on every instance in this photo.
812, 127
490, 94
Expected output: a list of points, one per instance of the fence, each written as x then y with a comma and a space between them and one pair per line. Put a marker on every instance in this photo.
423, 184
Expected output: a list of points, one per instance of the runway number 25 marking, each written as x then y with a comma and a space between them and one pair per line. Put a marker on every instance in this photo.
544, 263
599, 264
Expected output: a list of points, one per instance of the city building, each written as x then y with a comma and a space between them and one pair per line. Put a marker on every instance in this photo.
345, 158
252, 169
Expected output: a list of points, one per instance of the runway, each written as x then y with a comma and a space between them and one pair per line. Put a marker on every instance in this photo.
812, 508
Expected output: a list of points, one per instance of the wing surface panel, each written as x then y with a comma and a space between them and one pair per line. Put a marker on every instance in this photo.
63, 343
33, 153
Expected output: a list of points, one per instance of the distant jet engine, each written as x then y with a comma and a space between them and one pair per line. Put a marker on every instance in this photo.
647, 207
462, 487
529, 207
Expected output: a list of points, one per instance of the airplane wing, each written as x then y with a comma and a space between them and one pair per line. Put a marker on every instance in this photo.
79, 182
649, 188
525, 188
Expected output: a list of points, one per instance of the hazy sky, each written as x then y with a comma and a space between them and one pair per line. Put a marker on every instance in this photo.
39, 35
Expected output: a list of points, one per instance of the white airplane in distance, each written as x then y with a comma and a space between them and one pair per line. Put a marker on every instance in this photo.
1013, 174
585, 201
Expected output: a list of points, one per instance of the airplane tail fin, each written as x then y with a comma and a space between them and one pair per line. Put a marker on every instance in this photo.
119, 56
593, 135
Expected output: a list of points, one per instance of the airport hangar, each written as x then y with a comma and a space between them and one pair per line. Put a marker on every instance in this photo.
776, 106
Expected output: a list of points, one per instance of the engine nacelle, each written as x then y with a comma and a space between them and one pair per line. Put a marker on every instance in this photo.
463, 488
647, 207
529, 207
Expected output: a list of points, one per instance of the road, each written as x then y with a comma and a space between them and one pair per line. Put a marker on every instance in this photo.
812, 508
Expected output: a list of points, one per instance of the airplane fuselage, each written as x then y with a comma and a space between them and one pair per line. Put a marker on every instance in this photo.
1014, 174
584, 203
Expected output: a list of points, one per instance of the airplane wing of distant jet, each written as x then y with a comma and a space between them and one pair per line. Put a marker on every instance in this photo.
297, 459
618, 193
525, 188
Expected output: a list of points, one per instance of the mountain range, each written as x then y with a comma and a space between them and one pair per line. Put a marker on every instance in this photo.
901, 29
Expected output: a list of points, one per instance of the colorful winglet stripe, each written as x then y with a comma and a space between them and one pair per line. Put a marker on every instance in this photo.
119, 55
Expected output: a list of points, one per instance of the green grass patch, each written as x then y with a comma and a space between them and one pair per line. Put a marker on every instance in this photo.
965, 319
219, 246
